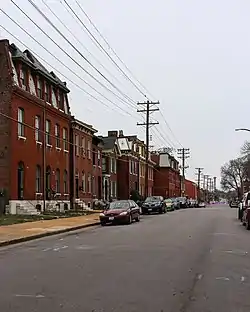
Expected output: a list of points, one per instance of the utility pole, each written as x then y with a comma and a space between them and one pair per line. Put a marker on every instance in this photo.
199, 171
149, 109
183, 154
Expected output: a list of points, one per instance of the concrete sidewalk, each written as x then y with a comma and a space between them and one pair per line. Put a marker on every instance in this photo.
17, 233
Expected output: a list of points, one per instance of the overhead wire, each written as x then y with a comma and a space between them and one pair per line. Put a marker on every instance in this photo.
116, 105
102, 48
72, 34
65, 52
80, 53
68, 79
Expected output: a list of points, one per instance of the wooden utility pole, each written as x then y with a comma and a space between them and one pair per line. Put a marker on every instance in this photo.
199, 171
149, 108
183, 154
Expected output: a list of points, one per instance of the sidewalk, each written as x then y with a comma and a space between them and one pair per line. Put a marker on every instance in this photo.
17, 233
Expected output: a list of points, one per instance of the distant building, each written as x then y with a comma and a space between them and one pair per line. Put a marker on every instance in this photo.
191, 189
166, 174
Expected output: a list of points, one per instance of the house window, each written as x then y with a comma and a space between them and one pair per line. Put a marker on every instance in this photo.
113, 189
77, 148
89, 150
48, 182
38, 179
37, 129
65, 182
21, 122
99, 158
46, 92
89, 183
83, 147
83, 182
65, 139
94, 157
60, 100
57, 135
57, 181
130, 166
39, 89
24, 79
93, 186
104, 164
53, 97
20, 181
113, 165
48, 130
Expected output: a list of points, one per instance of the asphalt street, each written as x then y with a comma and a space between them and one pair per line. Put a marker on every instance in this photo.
192, 260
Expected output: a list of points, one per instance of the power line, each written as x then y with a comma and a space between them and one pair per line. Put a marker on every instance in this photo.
100, 46
183, 155
92, 96
93, 77
148, 123
72, 33
79, 52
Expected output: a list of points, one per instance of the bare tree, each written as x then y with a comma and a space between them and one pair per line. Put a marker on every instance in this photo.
233, 175
245, 149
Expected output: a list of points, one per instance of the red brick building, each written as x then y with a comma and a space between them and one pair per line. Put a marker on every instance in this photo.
190, 189
110, 156
85, 164
34, 133
166, 175
132, 166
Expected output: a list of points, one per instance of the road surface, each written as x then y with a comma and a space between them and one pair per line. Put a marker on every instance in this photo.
193, 260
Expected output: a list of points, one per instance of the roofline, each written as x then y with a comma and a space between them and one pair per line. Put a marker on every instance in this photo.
83, 124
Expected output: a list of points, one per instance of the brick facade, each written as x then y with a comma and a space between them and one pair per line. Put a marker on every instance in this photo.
190, 189
31, 98
166, 175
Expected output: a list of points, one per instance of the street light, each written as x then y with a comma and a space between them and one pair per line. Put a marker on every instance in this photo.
242, 129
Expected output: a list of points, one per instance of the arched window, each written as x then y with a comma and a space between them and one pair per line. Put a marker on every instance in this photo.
38, 179
57, 181
65, 182
20, 180
48, 182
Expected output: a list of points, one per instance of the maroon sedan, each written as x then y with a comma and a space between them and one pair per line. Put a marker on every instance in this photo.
120, 211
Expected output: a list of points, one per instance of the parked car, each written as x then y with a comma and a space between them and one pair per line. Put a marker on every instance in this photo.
170, 206
176, 202
120, 211
154, 204
202, 205
245, 217
183, 202
234, 204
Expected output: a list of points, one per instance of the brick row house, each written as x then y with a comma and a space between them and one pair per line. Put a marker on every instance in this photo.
47, 158
166, 175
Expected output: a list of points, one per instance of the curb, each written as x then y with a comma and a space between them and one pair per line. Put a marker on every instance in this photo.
41, 235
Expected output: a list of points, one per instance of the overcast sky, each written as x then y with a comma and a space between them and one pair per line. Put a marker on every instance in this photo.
193, 56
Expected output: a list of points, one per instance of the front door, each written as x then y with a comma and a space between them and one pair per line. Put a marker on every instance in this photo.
77, 188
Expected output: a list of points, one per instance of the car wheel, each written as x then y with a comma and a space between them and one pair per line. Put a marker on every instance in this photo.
137, 219
130, 219
103, 223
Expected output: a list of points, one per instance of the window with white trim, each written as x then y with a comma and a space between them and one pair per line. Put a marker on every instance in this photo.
20, 117
57, 135
65, 139
57, 181
77, 148
38, 134
83, 182
89, 150
48, 132
83, 147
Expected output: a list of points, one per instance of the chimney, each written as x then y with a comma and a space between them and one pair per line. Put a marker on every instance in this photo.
113, 133
121, 133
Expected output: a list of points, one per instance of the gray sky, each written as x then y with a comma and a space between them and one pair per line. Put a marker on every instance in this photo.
193, 56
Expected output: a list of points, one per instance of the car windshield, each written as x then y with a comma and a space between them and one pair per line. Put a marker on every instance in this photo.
152, 198
121, 204
168, 200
